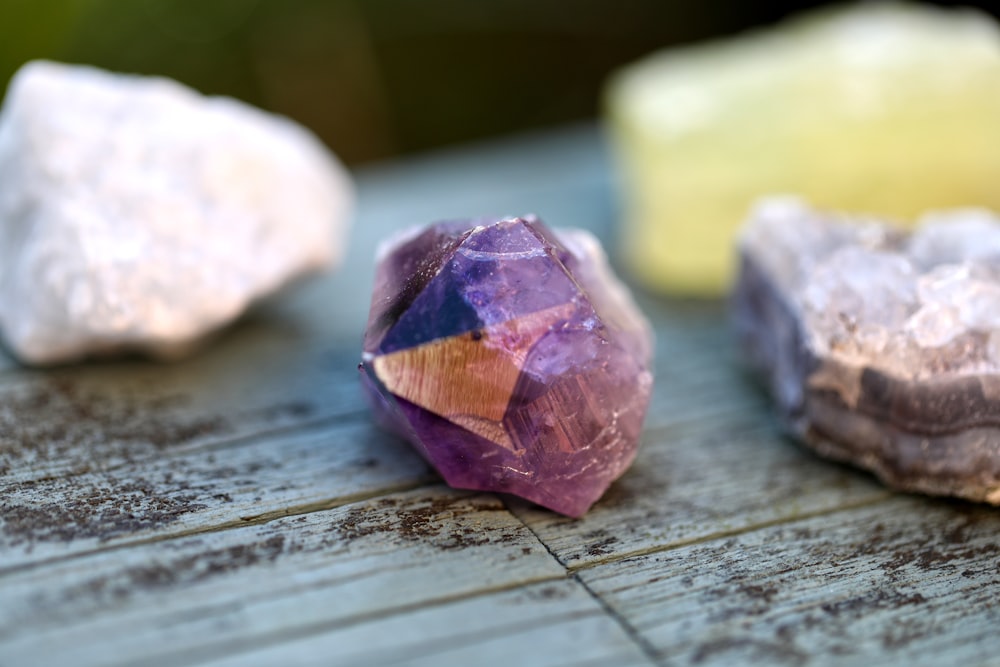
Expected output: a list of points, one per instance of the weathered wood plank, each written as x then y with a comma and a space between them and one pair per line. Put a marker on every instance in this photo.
540, 625
908, 581
281, 473
179, 601
64, 422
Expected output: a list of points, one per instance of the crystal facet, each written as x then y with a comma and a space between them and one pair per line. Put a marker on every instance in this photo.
511, 357
882, 347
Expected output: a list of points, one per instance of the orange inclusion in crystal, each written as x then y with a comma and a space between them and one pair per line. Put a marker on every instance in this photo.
468, 379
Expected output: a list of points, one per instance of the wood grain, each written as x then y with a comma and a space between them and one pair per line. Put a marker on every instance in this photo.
283, 473
257, 379
539, 625
178, 601
907, 581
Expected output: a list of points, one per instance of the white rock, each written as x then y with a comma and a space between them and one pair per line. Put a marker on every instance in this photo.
910, 304
875, 287
136, 214
956, 236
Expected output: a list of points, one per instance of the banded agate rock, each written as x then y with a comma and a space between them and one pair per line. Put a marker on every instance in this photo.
881, 347
889, 108
137, 215
511, 358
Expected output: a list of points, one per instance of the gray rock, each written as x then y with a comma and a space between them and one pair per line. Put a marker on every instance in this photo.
881, 348
136, 214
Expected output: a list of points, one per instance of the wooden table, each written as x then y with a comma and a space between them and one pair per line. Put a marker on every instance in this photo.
238, 508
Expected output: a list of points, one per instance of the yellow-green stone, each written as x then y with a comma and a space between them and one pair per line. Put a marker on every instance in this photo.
889, 109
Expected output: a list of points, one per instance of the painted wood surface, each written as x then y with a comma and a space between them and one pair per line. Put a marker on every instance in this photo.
238, 508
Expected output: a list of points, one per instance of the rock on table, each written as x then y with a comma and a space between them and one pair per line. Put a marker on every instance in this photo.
137, 214
511, 357
881, 348
881, 107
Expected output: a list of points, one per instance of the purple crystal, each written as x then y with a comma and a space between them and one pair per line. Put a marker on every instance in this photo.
511, 357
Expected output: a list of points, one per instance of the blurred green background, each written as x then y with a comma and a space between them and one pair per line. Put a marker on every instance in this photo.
376, 78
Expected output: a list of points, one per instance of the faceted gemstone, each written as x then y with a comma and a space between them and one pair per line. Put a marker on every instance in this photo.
511, 357
882, 347
878, 107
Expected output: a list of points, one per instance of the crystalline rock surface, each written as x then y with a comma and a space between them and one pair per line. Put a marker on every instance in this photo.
882, 348
136, 214
510, 357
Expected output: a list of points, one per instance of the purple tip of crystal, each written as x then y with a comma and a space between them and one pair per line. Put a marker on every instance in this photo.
511, 357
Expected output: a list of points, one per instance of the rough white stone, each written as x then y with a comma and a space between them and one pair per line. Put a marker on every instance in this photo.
136, 214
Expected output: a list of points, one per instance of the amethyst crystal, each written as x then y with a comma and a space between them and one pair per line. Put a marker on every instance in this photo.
882, 348
511, 357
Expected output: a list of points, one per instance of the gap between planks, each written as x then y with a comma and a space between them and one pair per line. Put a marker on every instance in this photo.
654, 655
242, 522
317, 425
633, 633
212, 445
722, 534
340, 501
310, 630
571, 572
648, 650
